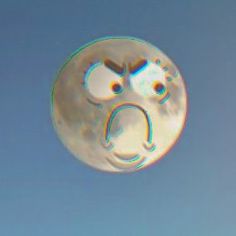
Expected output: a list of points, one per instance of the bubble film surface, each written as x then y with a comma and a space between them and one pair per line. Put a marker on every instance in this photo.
119, 104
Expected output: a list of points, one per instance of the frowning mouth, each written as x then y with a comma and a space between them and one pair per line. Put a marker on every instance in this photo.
127, 162
124, 106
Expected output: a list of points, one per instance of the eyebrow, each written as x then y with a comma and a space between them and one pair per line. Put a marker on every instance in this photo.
138, 66
113, 66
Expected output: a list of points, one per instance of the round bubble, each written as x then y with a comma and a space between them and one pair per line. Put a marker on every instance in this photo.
119, 104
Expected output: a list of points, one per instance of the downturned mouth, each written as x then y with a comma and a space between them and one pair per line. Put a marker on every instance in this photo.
124, 106
122, 160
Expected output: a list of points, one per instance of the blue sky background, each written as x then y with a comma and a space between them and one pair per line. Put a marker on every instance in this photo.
45, 191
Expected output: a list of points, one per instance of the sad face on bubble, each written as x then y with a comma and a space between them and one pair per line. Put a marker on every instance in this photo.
119, 104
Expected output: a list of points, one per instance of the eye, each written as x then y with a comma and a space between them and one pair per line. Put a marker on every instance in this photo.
147, 80
116, 88
159, 88
102, 82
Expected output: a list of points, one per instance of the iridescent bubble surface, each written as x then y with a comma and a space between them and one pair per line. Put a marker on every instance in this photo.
119, 104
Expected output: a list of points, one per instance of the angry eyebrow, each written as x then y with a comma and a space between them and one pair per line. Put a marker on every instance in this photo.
113, 66
137, 66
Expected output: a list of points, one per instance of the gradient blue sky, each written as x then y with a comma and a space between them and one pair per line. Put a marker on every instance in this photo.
45, 191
